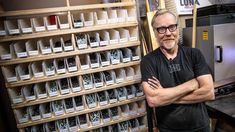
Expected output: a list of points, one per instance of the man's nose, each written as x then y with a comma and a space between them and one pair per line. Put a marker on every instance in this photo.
168, 32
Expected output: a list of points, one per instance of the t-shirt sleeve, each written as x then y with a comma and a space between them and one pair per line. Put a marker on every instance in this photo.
200, 66
147, 70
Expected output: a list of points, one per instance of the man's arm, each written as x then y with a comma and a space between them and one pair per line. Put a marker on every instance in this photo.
158, 96
204, 93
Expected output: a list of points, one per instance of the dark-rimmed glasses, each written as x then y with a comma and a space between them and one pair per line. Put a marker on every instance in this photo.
163, 29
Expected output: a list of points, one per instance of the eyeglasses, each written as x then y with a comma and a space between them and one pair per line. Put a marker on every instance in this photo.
163, 29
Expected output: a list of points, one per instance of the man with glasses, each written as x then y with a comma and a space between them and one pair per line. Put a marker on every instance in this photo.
176, 80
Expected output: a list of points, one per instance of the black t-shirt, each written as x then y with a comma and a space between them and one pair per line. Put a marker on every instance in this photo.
188, 64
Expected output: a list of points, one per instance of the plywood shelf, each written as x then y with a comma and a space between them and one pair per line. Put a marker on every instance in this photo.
66, 54
72, 74
53, 118
70, 95
66, 31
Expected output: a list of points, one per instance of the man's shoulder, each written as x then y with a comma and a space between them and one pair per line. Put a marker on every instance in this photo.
189, 50
152, 54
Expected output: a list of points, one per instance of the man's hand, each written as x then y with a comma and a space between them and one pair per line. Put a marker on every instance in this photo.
154, 83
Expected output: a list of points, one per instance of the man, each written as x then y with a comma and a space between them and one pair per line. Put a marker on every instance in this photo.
176, 80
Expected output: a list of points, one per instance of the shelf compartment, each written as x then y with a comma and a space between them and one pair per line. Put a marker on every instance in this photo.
76, 113
104, 38
122, 15
32, 47
63, 21
112, 16
77, 19
37, 69
20, 49
45, 46
68, 42
25, 25
6, 52
23, 71
83, 92
16, 95
50, 22
101, 17
9, 74
3, 31
56, 44
38, 24
88, 19
12, 26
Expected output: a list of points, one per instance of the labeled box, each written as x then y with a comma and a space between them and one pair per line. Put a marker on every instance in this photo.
133, 107
91, 100
123, 126
130, 91
32, 47
3, 31
83, 121
16, 95
141, 106
81, 40
139, 90
142, 122
48, 67
129, 73
52, 88
79, 103
94, 60
131, 15
23, 71
69, 105
120, 75
87, 81
46, 110
62, 125
112, 94
22, 115
41, 91
88, 19
115, 113
101, 17
98, 80
112, 16
25, 25
125, 110
75, 84
133, 31
105, 58
133, 125
37, 69
93, 39
137, 75
38, 24
20, 49
34, 112
63, 21
29, 92
122, 15
63, 86
68, 42
58, 107
12, 26
105, 114
51, 23
135, 53
9, 73
122, 93
124, 35
60, 66
71, 64
56, 44
84, 61
102, 98
45, 46
104, 38
115, 56
50, 126
6, 51
95, 118
126, 55
77, 19
72, 124
109, 77
114, 36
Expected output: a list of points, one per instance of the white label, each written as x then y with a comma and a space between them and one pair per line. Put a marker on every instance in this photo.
27, 30
11, 79
33, 53
94, 65
141, 110
84, 67
131, 96
63, 130
133, 38
100, 22
53, 94
126, 60
82, 46
68, 48
40, 96
64, 91
134, 129
46, 51
3, 33
129, 78
100, 84
139, 94
47, 115
119, 80
106, 120
129, 19
142, 126
25, 77
123, 40
51, 27
59, 49
135, 57
36, 117
78, 108
95, 123
114, 41
113, 20
115, 61
40, 29
64, 26
105, 63
59, 113
133, 112
78, 24
76, 89
28, 98
50, 73
59, 71
92, 105
69, 110
121, 20
38, 74
73, 129
23, 120
94, 44
109, 82
88, 23
17, 100
112, 101
104, 103
115, 117
6, 57
122, 98
22, 54
14, 31
83, 126
71, 69
103, 43
89, 86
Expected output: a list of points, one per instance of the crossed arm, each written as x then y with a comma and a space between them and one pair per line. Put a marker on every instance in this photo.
196, 90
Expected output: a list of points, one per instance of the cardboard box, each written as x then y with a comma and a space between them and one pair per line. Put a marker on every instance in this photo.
23, 71
84, 61
112, 16
88, 19
45, 46
58, 107
63, 86
3, 31
75, 84
48, 67
71, 64
29, 92
41, 91
69, 105
22, 115
79, 103
52, 88
34, 112
9, 73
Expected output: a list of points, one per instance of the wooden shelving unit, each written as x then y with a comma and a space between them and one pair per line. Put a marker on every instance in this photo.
123, 45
